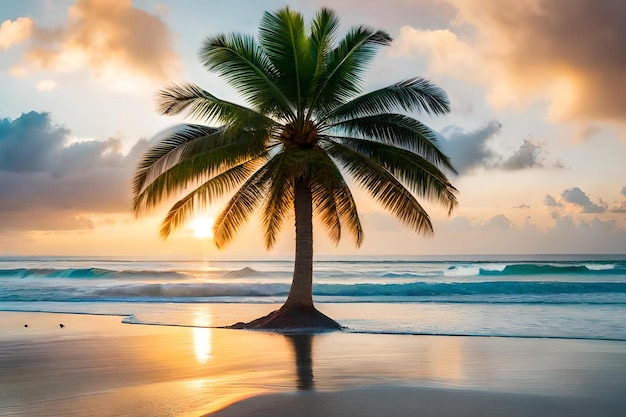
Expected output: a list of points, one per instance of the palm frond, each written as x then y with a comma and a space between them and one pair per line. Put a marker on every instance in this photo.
322, 37
397, 130
346, 63
244, 65
333, 203
199, 104
282, 171
207, 193
185, 156
383, 187
422, 177
415, 94
240, 207
278, 204
325, 209
163, 153
283, 37
347, 209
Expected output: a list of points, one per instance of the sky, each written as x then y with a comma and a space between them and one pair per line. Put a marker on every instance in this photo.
537, 130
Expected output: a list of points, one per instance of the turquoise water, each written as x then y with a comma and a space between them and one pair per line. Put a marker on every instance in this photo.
581, 297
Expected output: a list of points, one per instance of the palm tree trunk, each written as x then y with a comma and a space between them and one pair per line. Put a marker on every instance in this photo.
298, 312
301, 292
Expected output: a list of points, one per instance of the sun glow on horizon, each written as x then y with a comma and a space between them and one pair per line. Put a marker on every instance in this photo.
202, 227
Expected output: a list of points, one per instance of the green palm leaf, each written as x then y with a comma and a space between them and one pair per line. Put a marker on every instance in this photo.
415, 94
422, 177
279, 201
323, 30
199, 104
346, 64
160, 155
283, 37
397, 130
240, 207
383, 187
188, 154
245, 66
206, 194
333, 202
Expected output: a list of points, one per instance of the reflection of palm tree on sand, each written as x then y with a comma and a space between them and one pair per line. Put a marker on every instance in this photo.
303, 350
309, 124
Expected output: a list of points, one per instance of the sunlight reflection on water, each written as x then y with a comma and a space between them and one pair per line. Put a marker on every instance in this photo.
202, 335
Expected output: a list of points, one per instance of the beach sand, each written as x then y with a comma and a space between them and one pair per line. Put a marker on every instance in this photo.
97, 366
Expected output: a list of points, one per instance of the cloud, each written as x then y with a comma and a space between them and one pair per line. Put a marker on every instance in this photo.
551, 202
468, 150
471, 150
527, 156
47, 184
566, 53
118, 43
566, 235
621, 208
577, 197
46, 85
15, 31
448, 54
498, 222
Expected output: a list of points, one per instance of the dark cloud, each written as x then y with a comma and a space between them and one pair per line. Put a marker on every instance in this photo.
527, 156
29, 143
522, 206
577, 197
469, 150
46, 184
574, 45
551, 202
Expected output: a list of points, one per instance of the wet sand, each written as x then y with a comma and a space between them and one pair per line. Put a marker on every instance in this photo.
97, 366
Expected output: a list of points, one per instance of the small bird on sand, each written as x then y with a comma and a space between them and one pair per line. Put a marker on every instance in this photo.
61, 325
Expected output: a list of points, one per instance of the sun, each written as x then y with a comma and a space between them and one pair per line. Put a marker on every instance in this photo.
202, 227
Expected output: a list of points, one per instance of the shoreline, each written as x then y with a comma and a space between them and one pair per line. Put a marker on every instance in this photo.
345, 330
96, 365
516, 321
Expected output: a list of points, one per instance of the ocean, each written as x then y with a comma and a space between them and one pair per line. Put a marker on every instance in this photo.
547, 296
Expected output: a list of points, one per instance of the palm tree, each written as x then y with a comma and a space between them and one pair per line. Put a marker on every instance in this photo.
308, 124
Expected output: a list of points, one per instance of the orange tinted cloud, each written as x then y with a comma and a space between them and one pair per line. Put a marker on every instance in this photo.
571, 51
16, 31
566, 53
109, 37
